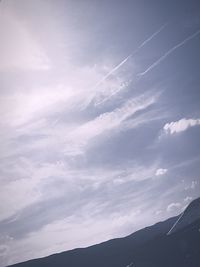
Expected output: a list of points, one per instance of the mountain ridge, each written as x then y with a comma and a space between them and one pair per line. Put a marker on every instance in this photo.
188, 216
149, 247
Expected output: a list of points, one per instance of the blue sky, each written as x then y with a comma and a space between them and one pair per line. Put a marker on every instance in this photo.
99, 120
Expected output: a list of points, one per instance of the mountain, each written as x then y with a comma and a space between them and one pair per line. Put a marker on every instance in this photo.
154, 246
190, 215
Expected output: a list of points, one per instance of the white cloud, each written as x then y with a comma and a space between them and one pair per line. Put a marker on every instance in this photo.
180, 126
194, 184
158, 212
161, 171
173, 207
188, 199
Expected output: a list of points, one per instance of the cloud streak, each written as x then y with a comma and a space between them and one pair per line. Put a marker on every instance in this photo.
157, 62
79, 138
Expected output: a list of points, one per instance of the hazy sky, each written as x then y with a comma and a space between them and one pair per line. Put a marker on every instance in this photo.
100, 120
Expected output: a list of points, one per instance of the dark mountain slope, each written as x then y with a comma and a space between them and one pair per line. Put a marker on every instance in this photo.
179, 249
190, 215
116, 252
153, 246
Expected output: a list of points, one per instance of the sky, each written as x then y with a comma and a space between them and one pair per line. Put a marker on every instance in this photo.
100, 120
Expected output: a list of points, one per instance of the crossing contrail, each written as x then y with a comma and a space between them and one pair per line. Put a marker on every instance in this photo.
128, 57
157, 62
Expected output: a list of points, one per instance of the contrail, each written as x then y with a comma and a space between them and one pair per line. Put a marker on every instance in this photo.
157, 62
113, 70
175, 223
152, 36
127, 58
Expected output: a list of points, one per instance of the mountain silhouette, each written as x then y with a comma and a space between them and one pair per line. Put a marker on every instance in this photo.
172, 243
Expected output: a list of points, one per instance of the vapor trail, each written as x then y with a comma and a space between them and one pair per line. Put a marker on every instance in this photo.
126, 59
133, 53
152, 36
113, 70
157, 62
175, 223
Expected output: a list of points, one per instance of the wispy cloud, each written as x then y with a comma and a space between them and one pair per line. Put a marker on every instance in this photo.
157, 62
107, 201
180, 126
21, 189
78, 138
